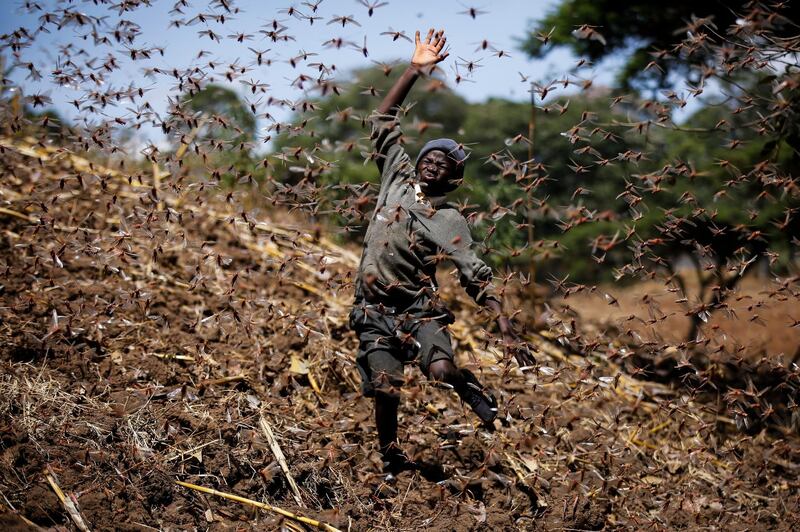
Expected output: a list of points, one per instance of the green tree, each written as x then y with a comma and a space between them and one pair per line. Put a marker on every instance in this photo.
647, 32
227, 117
219, 125
720, 188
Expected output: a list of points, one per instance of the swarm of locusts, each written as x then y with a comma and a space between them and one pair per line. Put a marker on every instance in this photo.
180, 251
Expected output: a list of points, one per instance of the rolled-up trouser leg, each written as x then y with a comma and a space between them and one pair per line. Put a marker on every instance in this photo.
385, 373
377, 361
434, 345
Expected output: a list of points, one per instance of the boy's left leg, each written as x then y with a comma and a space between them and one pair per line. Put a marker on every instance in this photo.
437, 362
466, 385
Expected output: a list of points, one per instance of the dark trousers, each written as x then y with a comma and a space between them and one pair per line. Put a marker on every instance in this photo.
390, 337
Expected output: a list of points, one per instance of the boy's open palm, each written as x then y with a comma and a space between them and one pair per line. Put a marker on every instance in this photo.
429, 52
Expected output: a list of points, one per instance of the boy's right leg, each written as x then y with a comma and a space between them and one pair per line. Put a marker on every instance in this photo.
380, 364
386, 421
386, 380
394, 460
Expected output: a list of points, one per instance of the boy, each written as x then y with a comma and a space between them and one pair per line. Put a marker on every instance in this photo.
397, 313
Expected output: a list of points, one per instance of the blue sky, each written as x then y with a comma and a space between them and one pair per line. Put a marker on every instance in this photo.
500, 22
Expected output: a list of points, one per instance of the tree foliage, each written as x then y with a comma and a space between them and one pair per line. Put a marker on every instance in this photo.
217, 121
647, 33
227, 118
613, 183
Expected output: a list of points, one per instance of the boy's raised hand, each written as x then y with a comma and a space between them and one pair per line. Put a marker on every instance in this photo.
429, 52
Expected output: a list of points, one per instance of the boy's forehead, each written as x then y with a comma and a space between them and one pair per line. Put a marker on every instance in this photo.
434, 154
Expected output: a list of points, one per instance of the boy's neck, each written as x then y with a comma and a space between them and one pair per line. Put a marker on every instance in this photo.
435, 199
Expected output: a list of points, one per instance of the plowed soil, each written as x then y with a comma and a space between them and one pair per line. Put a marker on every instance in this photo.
143, 340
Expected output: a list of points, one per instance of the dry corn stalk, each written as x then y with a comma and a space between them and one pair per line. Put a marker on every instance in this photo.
68, 501
279, 456
306, 520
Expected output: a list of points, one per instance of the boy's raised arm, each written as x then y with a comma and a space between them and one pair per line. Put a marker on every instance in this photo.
385, 137
426, 54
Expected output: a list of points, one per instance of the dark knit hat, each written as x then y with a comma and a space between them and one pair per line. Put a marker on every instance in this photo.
453, 150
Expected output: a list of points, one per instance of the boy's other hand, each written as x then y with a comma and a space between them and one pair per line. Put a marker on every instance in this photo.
519, 348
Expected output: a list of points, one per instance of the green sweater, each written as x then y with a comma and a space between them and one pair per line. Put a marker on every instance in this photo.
410, 233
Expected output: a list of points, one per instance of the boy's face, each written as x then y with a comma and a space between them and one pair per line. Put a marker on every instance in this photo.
434, 170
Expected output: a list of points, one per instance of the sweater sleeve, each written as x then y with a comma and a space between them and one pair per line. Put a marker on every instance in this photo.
392, 160
451, 235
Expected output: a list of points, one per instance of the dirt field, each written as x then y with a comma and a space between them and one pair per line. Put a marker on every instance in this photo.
762, 322
138, 351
